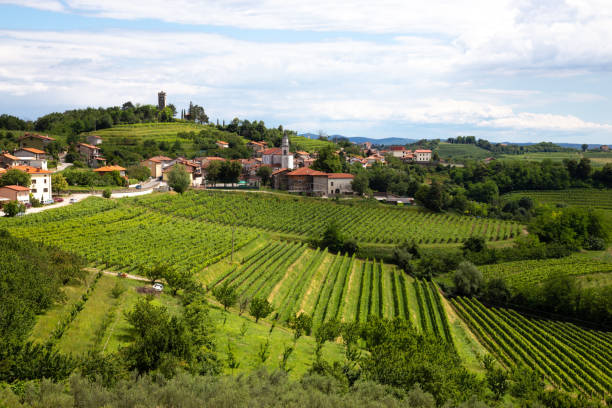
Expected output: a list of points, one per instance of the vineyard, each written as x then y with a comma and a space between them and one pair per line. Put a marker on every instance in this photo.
137, 133
127, 238
520, 274
601, 199
570, 357
326, 286
310, 217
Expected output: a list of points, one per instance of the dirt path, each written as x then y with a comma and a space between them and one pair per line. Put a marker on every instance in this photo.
111, 273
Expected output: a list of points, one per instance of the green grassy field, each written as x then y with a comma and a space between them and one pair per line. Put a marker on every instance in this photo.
461, 152
101, 326
309, 145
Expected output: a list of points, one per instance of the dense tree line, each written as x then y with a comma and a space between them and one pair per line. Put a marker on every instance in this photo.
74, 122
507, 148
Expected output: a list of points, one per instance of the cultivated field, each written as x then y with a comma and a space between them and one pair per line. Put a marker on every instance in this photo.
305, 217
598, 159
521, 274
129, 238
139, 132
593, 198
570, 357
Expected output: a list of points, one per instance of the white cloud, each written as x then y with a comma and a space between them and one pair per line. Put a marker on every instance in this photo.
341, 81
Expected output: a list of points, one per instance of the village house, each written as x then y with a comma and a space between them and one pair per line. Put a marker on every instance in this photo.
422, 156
156, 165
8, 160
221, 144
109, 169
40, 186
35, 140
279, 179
14, 193
401, 152
375, 158
91, 154
278, 157
32, 157
257, 147
94, 140
307, 180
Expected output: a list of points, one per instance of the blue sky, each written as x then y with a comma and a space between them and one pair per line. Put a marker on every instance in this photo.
520, 70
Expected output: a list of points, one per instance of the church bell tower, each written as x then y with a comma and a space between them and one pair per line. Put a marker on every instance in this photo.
286, 156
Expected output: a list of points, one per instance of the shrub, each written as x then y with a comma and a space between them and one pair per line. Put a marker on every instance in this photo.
107, 193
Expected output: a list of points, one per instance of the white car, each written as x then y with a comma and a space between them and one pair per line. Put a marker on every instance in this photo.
47, 202
158, 287
73, 200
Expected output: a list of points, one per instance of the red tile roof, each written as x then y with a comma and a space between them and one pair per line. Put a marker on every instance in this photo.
306, 171
423, 151
33, 150
31, 170
279, 171
272, 151
160, 158
10, 156
340, 176
255, 143
42, 137
88, 146
222, 142
398, 148
17, 188
109, 169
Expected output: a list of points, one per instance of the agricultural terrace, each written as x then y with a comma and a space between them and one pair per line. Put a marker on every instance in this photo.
129, 238
572, 358
521, 274
601, 199
92, 320
310, 145
303, 216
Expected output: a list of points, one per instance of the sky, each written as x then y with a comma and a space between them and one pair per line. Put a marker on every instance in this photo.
502, 70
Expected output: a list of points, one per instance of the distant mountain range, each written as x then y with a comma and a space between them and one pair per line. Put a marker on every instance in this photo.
388, 141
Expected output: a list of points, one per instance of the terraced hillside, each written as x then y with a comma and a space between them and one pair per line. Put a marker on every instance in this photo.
309, 217
461, 152
572, 358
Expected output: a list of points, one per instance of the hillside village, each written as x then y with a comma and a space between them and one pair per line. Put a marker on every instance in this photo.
287, 169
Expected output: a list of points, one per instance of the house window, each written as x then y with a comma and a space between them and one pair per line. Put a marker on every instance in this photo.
34, 190
33, 181
332, 183
45, 181
46, 190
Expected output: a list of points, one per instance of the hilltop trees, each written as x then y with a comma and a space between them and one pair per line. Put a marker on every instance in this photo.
14, 177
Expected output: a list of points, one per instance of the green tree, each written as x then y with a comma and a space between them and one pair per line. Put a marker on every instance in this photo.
226, 294
178, 179
230, 171
468, 279
141, 173
301, 324
260, 307
14, 177
177, 279
213, 172
584, 147
361, 183
58, 183
157, 272
264, 173
328, 160
107, 193
12, 208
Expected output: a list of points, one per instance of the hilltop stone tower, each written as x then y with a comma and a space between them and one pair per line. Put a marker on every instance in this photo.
286, 156
161, 100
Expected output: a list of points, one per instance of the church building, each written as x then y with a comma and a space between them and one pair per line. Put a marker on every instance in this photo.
278, 157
